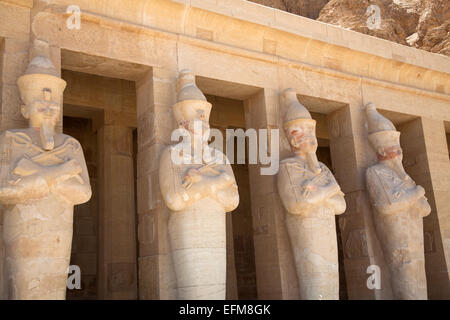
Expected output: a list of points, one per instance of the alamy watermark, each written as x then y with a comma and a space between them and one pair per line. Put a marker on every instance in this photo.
74, 20
374, 281
374, 20
74, 278
199, 151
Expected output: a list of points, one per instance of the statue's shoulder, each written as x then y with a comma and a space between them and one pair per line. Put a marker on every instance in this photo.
371, 171
376, 174
65, 139
290, 160
218, 157
15, 133
176, 146
4, 135
166, 153
172, 148
11, 131
217, 152
377, 169
324, 167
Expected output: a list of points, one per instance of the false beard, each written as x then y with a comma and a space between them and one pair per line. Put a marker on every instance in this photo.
47, 132
313, 163
399, 169
311, 157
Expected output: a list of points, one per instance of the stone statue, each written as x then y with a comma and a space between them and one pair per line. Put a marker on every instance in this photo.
312, 198
43, 175
399, 206
198, 192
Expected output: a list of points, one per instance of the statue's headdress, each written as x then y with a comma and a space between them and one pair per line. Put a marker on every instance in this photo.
296, 112
382, 132
191, 103
41, 80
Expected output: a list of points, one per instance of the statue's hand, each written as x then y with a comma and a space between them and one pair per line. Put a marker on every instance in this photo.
398, 193
192, 176
308, 187
227, 180
219, 182
420, 191
72, 167
60, 173
337, 203
26, 167
424, 206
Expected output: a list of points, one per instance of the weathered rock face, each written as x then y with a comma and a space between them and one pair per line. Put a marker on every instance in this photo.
356, 15
433, 29
423, 24
306, 8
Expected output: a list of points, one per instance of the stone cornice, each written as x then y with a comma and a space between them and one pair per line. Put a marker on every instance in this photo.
264, 20
153, 17
309, 28
21, 3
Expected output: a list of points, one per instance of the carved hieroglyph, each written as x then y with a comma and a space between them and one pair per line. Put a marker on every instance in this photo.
42, 176
312, 198
198, 193
400, 206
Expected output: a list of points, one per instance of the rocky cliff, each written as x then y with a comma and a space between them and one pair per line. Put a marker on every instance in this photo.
306, 8
423, 24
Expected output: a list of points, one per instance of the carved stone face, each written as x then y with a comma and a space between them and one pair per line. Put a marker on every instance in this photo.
392, 152
302, 136
198, 120
43, 115
41, 112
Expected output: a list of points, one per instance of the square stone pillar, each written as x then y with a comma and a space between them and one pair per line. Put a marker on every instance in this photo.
231, 281
155, 96
14, 58
14, 54
275, 269
117, 274
426, 160
351, 155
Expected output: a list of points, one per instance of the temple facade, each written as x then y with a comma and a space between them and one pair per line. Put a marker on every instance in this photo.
121, 61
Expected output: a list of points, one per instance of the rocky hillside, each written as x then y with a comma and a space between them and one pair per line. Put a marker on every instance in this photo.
423, 24
306, 8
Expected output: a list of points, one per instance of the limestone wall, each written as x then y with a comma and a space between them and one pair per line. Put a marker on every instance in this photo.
116, 98
14, 46
251, 53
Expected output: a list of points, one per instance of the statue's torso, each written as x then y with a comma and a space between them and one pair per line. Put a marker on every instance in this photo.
389, 181
387, 189
296, 174
24, 143
178, 172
